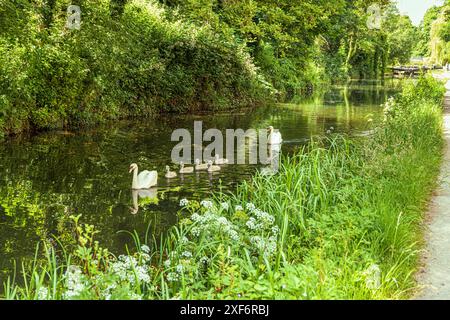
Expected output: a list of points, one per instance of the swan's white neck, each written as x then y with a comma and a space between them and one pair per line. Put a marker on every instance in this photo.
135, 184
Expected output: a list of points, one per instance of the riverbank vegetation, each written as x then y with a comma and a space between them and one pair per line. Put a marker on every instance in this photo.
140, 57
340, 220
134, 64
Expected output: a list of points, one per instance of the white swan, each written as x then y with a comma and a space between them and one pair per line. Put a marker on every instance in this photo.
212, 168
274, 136
218, 160
170, 174
145, 179
184, 169
200, 167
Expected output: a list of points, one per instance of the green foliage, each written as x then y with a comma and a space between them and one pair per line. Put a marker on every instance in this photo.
135, 63
401, 37
137, 58
423, 46
341, 220
440, 36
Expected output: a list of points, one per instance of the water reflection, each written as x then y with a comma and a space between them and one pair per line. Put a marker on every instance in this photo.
273, 160
149, 196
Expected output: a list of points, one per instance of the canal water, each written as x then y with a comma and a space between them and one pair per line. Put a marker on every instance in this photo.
48, 177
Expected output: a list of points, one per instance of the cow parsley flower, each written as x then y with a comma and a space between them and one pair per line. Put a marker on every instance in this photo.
74, 282
184, 240
145, 257
186, 254
42, 293
195, 231
275, 230
225, 205
180, 268
206, 204
234, 235
195, 217
222, 221
172, 277
373, 277
252, 224
184, 202
128, 269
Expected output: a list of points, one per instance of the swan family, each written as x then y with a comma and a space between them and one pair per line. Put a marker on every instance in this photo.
148, 179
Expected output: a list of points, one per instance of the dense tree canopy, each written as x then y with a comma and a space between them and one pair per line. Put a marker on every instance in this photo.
172, 55
423, 45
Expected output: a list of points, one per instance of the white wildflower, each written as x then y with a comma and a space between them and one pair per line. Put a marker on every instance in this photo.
184, 240
196, 217
225, 205
74, 282
184, 202
275, 230
167, 263
234, 235
252, 224
186, 254
145, 257
42, 293
195, 231
373, 277
206, 204
128, 269
222, 220
172, 277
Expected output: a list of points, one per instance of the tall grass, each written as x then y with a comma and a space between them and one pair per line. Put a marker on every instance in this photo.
341, 220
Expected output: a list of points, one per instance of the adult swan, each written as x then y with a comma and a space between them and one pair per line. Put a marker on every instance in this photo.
145, 179
274, 136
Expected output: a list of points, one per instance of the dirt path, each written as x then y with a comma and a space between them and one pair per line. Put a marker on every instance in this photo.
434, 279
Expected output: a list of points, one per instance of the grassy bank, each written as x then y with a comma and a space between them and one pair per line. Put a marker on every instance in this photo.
136, 63
341, 220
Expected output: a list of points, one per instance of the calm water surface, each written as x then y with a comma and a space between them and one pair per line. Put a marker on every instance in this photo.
46, 178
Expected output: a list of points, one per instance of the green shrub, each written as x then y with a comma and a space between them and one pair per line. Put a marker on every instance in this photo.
135, 64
